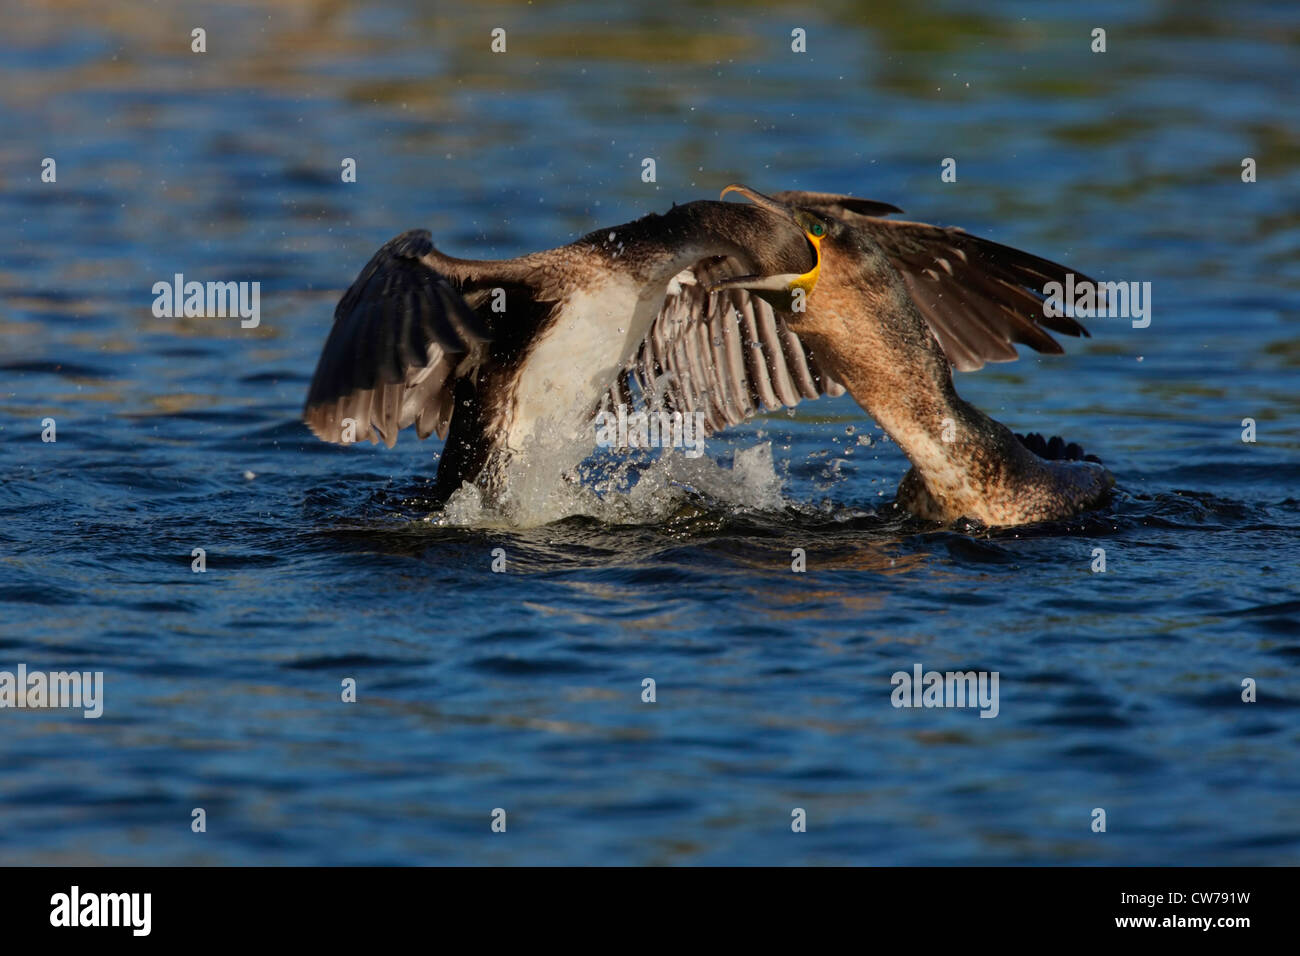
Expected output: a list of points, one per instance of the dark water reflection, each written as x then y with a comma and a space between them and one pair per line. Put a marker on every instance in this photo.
522, 690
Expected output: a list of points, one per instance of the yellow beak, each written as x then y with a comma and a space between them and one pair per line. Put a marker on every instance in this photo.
808, 281
774, 288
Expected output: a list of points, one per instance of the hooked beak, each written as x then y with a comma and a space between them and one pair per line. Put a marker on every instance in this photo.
778, 290
758, 199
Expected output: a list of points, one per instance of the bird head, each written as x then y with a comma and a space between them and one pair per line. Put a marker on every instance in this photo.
785, 291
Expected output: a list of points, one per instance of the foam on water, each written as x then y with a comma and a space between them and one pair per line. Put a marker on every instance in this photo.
621, 490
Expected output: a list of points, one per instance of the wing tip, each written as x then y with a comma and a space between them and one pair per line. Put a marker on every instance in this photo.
325, 421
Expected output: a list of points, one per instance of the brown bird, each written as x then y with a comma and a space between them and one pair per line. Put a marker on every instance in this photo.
715, 307
889, 309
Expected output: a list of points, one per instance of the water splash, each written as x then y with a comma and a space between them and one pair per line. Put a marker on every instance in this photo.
621, 490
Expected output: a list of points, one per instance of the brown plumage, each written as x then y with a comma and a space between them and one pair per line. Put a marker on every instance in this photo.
889, 324
678, 311
497, 356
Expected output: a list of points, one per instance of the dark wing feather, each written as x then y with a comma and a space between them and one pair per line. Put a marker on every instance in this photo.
834, 203
399, 334
978, 296
726, 354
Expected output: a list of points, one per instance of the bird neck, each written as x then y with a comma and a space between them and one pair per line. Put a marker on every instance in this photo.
964, 463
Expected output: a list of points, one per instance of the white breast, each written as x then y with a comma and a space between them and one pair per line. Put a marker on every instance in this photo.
595, 335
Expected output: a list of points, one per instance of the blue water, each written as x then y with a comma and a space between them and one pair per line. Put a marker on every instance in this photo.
522, 690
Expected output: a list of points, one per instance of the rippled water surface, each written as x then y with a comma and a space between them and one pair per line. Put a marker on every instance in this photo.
522, 690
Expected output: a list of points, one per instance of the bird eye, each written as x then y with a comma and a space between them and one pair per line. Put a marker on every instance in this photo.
818, 230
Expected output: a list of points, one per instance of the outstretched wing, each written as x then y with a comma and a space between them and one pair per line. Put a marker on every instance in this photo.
416, 339
399, 334
726, 354
978, 296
